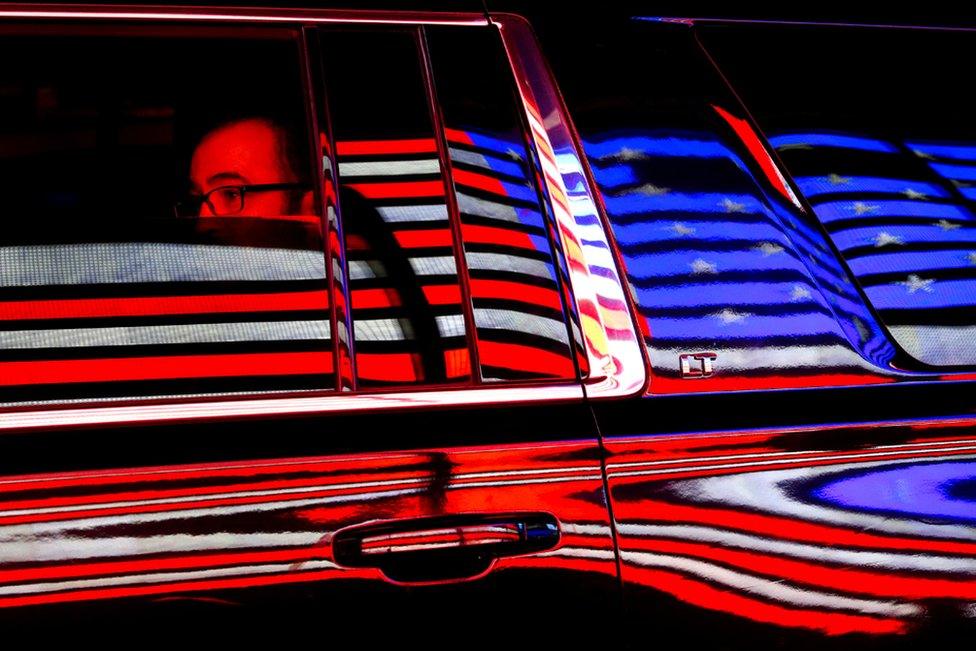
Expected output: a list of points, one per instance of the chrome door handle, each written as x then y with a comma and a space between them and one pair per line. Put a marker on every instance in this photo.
443, 548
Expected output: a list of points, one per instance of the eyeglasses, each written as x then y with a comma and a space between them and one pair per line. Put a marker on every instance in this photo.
227, 200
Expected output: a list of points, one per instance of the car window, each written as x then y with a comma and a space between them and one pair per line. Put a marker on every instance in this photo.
165, 226
451, 261
877, 130
143, 255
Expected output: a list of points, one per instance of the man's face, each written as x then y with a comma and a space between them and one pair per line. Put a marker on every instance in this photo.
245, 153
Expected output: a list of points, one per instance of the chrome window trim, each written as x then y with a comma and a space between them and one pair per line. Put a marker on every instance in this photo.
254, 15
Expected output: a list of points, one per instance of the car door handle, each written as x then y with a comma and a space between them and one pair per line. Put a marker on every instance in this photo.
425, 550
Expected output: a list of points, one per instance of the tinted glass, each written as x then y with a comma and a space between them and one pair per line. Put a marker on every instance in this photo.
877, 128
518, 311
718, 257
104, 291
407, 312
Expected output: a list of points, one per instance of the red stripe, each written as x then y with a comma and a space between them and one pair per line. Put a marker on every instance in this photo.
389, 367
456, 135
424, 238
379, 297
745, 132
160, 368
362, 147
836, 579
475, 234
480, 181
399, 190
702, 595
207, 304
782, 528
457, 363
520, 357
514, 291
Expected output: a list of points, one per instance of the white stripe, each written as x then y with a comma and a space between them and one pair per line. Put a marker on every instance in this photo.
158, 335
76, 548
58, 541
88, 264
470, 158
451, 325
599, 530
505, 262
163, 577
940, 345
763, 492
382, 330
483, 208
579, 552
912, 561
514, 321
422, 266
771, 589
397, 214
390, 168
434, 266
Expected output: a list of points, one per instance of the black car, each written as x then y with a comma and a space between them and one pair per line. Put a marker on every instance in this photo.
484, 327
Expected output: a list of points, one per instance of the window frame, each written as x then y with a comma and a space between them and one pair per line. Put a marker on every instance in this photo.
617, 362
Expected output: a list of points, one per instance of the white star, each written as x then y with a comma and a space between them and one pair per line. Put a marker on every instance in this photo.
947, 225
626, 153
884, 239
837, 179
861, 208
972, 258
769, 248
700, 266
922, 154
729, 316
514, 155
915, 283
732, 206
914, 194
799, 293
651, 190
680, 229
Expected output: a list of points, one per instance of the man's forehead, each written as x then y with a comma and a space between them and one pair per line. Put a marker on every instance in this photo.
237, 151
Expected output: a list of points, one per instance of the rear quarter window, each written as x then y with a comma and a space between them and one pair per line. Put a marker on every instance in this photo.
876, 127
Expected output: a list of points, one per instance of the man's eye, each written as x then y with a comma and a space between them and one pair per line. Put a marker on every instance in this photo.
229, 194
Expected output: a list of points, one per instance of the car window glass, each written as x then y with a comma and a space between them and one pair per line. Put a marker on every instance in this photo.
407, 311
508, 250
877, 129
161, 236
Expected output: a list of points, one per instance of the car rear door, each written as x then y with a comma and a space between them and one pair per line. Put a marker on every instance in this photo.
369, 413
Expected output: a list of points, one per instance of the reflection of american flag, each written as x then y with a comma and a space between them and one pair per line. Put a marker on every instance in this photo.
159, 309
900, 214
516, 303
822, 540
716, 265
